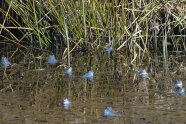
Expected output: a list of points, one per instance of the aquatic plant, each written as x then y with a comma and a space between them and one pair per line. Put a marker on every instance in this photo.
178, 84
151, 26
69, 71
108, 112
89, 75
109, 49
181, 91
143, 74
4, 62
52, 60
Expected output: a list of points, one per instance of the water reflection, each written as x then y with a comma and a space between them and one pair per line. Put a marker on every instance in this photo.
35, 95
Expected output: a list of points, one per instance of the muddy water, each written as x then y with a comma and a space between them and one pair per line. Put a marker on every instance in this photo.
32, 92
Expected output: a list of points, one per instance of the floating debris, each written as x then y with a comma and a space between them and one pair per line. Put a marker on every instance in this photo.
178, 84
108, 112
89, 75
66, 103
4, 62
69, 71
52, 60
109, 49
143, 74
181, 91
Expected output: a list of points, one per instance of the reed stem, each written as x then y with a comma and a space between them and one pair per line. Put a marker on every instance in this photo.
68, 49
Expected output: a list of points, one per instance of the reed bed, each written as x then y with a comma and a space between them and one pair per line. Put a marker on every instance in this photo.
141, 28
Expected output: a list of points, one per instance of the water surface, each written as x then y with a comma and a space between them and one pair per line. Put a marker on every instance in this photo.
32, 93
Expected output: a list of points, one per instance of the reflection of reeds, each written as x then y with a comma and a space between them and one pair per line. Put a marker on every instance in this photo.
41, 21
50, 81
165, 51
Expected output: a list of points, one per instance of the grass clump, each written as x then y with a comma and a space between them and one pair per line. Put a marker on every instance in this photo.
138, 27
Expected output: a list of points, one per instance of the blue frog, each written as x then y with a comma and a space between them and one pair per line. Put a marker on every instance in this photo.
69, 71
108, 112
66, 103
178, 84
143, 74
52, 60
89, 75
4, 62
109, 49
181, 91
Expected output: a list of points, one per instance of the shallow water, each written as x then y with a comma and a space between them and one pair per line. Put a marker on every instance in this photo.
32, 93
